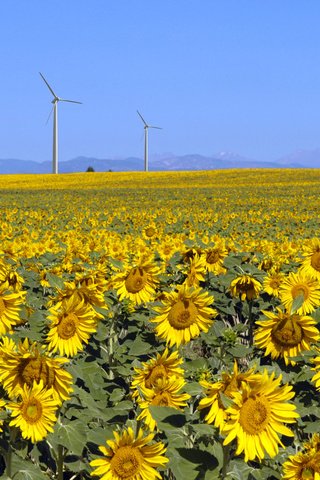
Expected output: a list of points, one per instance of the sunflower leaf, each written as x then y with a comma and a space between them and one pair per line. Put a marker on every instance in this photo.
181, 467
55, 281
25, 470
72, 435
297, 303
226, 401
167, 418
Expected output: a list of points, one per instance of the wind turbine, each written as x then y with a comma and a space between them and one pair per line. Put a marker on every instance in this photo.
146, 126
55, 102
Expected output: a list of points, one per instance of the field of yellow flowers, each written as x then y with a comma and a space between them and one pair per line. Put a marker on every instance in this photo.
160, 325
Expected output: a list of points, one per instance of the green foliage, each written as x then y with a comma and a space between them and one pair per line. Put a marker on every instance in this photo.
101, 401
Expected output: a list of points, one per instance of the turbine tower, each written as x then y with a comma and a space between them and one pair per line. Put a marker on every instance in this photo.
55, 102
146, 126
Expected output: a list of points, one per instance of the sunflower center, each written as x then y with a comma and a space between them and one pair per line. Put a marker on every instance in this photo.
37, 369
287, 332
161, 399
67, 326
2, 307
300, 290
157, 373
136, 280
315, 261
150, 231
32, 410
126, 462
274, 283
12, 279
182, 314
246, 287
254, 415
213, 256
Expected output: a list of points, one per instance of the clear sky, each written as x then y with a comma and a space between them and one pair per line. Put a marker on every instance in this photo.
236, 75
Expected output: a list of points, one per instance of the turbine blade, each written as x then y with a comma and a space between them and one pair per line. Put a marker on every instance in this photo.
142, 118
49, 115
152, 126
70, 101
45, 81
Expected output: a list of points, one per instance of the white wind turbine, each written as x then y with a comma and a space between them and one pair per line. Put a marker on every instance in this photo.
146, 126
55, 101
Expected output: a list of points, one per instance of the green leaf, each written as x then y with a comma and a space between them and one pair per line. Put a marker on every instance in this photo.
55, 281
25, 470
167, 418
240, 351
197, 364
116, 263
231, 262
181, 467
139, 347
297, 303
193, 388
116, 395
72, 436
226, 401
204, 429
312, 427
99, 435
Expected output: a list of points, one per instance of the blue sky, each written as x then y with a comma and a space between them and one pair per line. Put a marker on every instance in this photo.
237, 75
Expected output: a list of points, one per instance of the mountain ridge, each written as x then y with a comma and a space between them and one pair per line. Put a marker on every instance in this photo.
163, 162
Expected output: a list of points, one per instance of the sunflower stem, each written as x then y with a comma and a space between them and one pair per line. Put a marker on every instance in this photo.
250, 321
8, 455
226, 459
111, 342
138, 426
60, 461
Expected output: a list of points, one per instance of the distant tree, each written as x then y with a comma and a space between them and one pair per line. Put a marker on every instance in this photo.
110, 170
90, 169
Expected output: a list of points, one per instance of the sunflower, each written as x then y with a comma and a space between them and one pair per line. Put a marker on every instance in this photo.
94, 280
311, 263
195, 271
71, 327
35, 412
302, 466
316, 376
285, 335
150, 231
161, 367
80, 291
272, 282
305, 464
130, 457
2, 407
10, 305
298, 284
10, 278
166, 393
23, 364
214, 257
246, 287
137, 282
183, 315
257, 415
229, 384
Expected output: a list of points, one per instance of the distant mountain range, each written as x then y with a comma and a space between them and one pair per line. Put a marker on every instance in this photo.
164, 162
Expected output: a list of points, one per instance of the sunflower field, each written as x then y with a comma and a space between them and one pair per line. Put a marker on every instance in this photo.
160, 325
